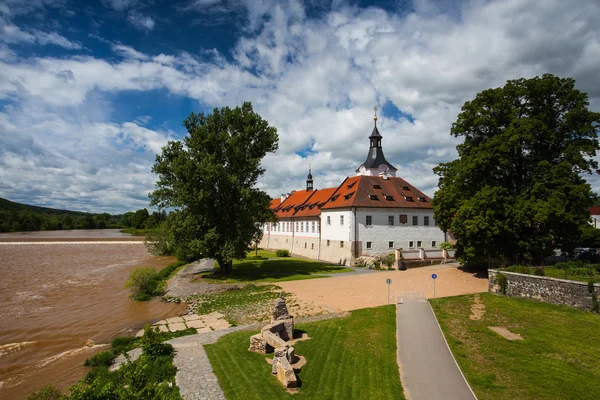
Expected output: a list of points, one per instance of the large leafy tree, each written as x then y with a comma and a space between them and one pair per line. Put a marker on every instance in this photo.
209, 179
516, 189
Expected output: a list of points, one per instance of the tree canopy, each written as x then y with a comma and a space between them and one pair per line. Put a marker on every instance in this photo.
516, 189
209, 179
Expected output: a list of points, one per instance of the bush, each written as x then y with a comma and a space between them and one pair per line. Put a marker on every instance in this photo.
446, 246
152, 343
159, 241
502, 282
282, 253
561, 265
539, 271
122, 345
142, 283
166, 272
521, 269
48, 392
101, 359
387, 260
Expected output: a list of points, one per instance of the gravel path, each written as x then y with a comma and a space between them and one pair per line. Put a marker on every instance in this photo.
182, 284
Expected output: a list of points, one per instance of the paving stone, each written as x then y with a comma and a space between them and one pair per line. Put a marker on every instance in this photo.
174, 320
220, 324
178, 326
140, 333
204, 329
163, 328
194, 317
161, 322
196, 324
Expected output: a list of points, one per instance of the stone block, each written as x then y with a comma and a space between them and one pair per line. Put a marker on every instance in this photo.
280, 310
273, 340
162, 328
188, 318
288, 329
285, 373
177, 326
198, 323
173, 320
258, 344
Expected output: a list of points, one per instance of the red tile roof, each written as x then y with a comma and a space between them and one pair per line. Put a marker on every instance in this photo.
376, 192
289, 206
275, 203
312, 206
356, 191
594, 210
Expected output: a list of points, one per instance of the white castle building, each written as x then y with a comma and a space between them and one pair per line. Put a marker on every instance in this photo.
371, 213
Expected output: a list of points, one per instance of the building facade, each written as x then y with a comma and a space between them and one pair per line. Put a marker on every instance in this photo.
371, 213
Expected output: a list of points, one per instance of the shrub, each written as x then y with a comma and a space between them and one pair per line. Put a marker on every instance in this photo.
521, 269
282, 253
152, 343
387, 260
122, 345
48, 392
539, 271
101, 359
166, 272
561, 265
446, 245
502, 282
141, 283
159, 241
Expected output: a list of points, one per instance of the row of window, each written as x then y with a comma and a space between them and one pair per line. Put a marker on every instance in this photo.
302, 226
402, 219
411, 244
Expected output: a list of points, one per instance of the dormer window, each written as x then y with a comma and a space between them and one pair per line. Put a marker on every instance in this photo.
334, 198
373, 197
389, 198
408, 198
405, 188
347, 196
376, 187
422, 199
350, 186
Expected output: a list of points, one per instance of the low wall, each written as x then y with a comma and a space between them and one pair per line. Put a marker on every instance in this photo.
550, 290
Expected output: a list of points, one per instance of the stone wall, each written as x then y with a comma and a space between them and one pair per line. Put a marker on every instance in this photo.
550, 290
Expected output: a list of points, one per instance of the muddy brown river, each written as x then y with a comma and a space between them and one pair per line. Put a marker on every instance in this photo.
62, 300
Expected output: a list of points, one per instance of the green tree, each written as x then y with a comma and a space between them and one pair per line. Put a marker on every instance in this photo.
516, 188
209, 179
141, 283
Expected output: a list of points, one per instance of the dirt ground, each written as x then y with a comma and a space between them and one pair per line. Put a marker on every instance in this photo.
352, 292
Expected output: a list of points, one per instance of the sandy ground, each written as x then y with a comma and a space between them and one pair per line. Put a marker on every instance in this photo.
346, 293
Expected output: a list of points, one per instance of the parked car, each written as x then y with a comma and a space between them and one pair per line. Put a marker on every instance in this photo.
588, 255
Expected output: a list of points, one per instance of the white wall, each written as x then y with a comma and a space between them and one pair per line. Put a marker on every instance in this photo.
380, 234
336, 231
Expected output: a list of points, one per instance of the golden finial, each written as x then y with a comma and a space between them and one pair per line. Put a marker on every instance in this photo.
375, 117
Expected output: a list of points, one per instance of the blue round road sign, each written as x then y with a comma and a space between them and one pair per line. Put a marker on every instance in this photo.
434, 276
388, 281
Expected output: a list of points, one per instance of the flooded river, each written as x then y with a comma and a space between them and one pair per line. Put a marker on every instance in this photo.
62, 300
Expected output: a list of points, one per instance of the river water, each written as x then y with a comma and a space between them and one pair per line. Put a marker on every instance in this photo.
62, 300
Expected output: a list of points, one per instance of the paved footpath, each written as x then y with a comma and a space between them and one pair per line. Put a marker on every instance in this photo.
195, 377
427, 368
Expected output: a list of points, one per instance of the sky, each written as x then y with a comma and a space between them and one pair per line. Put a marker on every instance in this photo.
91, 90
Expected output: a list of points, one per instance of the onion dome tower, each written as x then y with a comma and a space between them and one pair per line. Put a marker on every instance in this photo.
376, 164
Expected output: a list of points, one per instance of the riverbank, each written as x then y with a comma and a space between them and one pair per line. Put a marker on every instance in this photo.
60, 303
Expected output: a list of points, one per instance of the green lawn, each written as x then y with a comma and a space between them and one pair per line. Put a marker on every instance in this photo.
559, 358
347, 358
565, 274
275, 269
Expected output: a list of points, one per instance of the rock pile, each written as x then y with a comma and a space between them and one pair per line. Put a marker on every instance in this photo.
273, 338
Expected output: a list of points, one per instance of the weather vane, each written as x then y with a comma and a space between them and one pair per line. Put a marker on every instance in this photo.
375, 109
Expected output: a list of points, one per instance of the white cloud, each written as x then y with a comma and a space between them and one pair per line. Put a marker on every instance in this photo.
316, 80
120, 5
140, 22
12, 34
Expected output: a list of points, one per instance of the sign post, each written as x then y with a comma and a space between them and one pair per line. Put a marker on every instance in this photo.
434, 276
389, 282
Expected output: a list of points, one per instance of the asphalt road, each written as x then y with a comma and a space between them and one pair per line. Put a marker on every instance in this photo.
427, 367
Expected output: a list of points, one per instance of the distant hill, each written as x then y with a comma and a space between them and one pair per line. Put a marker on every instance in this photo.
11, 205
17, 217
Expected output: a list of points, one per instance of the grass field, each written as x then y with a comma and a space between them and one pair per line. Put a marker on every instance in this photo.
559, 358
274, 269
565, 274
347, 358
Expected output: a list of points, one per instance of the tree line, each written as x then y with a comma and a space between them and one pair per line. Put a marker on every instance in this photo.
16, 217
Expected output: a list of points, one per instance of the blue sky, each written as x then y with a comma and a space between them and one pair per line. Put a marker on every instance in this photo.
90, 91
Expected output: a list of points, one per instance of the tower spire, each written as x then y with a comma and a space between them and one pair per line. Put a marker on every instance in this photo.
309, 179
375, 117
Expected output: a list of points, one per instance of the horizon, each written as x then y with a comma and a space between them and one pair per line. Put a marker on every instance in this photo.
91, 92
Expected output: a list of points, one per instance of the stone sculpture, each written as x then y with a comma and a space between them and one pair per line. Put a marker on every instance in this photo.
273, 338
